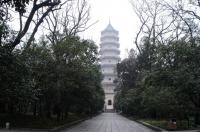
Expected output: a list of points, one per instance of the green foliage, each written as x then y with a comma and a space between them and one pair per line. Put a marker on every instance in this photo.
48, 80
13, 80
162, 83
4, 29
181, 124
19, 5
29, 121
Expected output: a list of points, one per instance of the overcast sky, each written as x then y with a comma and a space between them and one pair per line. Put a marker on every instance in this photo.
122, 18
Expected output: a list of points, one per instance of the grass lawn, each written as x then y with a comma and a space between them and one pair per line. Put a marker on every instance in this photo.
28, 121
181, 124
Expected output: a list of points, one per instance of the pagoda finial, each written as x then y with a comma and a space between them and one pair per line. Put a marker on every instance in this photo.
109, 20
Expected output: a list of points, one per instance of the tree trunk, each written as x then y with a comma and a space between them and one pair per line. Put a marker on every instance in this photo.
49, 113
197, 118
35, 109
58, 115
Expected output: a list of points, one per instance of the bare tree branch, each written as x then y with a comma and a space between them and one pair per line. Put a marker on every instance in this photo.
36, 27
34, 9
136, 39
73, 20
20, 21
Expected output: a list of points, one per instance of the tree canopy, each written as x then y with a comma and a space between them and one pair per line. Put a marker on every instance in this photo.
42, 77
19, 5
161, 80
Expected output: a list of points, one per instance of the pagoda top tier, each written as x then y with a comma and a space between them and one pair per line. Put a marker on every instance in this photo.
109, 28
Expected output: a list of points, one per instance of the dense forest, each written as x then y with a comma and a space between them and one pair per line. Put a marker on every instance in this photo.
162, 78
51, 75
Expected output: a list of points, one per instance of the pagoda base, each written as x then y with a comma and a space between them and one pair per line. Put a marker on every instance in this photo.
109, 111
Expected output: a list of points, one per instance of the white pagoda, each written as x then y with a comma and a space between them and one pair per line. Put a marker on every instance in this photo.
109, 51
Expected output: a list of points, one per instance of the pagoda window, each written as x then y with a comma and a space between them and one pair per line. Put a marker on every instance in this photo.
109, 102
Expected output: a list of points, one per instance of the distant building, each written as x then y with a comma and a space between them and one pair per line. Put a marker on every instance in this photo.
109, 51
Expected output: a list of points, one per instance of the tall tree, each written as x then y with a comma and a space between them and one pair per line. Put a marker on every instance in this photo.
25, 22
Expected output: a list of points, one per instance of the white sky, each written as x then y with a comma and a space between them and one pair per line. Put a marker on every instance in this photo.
122, 18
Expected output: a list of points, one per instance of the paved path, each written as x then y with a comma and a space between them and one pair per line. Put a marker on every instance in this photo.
109, 122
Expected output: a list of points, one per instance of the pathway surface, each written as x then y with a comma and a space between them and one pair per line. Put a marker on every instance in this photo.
108, 122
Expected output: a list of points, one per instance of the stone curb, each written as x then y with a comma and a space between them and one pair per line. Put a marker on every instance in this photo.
158, 129
155, 128
184, 131
56, 129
